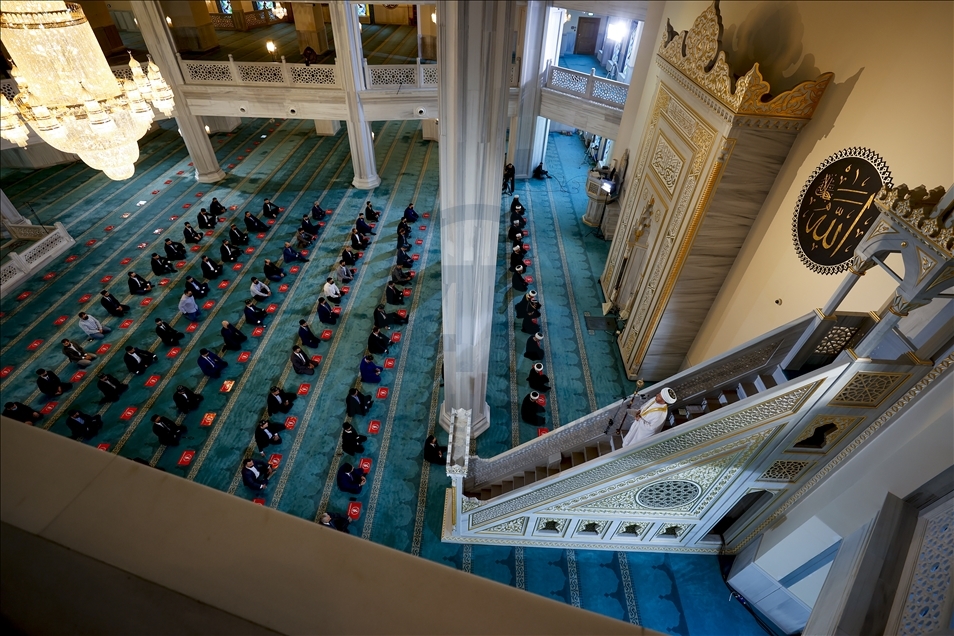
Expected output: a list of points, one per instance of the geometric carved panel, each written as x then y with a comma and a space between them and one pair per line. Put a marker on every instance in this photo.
631, 529
515, 526
836, 340
868, 389
784, 470
829, 429
666, 163
668, 494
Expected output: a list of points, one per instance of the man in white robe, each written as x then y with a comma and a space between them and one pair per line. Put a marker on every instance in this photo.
650, 417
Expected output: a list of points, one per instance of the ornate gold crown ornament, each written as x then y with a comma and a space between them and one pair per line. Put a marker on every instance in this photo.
697, 54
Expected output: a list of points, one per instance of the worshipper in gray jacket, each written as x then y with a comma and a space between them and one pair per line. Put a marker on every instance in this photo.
93, 328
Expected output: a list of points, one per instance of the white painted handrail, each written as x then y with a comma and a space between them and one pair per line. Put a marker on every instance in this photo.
587, 86
22, 266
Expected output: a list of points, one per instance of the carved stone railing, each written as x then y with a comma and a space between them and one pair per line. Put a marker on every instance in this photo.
689, 386
259, 73
383, 76
22, 265
227, 21
587, 86
27, 231
245, 20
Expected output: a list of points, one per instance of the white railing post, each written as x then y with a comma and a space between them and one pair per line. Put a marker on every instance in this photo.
367, 74
233, 67
590, 84
286, 74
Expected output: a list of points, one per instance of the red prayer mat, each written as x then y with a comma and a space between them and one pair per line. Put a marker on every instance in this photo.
207, 419
186, 458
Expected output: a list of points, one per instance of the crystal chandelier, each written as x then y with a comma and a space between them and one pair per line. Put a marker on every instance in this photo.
68, 94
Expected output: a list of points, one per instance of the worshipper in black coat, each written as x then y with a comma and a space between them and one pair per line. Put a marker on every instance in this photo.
199, 290
404, 225
290, 254
308, 227
378, 342
348, 256
517, 220
521, 307
255, 474
433, 452
399, 276
402, 239
308, 338
533, 313
83, 425
530, 411
215, 207
383, 318
317, 213
168, 432
351, 442
515, 231
518, 244
190, 234
112, 305
515, 205
138, 360
362, 226
211, 364
211, 269
410, 214
351, 479
534, 350
266, 434
538, 380
186, 399
325, 314
393, 294
540, 173
370, 213
359, 241
358, 403
301, 363
22, 413
509, 175
237, 236
270, 210
229, 253
517, 281
254, 224
76, 354
279, 401
174, 250
232, 336
254, 315
335, 521
404, 259
138, 285
49, 383
110, 387
161, 265
516, 258
206, 220
167, 333
273, 272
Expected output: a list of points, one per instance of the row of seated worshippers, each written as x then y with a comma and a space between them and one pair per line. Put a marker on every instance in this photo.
517, 233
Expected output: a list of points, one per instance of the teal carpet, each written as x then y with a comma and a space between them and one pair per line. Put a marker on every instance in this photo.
402, 504
581, 64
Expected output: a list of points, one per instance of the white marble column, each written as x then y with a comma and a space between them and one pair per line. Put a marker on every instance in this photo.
10, 212
327, 127
160, 45
529, 136
350, 61
219, 124
474, 44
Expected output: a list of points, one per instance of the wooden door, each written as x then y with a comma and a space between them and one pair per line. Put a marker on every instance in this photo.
587, 31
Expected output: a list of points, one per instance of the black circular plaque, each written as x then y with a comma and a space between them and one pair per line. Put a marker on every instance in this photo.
836, 208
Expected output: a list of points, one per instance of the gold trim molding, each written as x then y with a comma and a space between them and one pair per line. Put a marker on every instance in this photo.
697, 54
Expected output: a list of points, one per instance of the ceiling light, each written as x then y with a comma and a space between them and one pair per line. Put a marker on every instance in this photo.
279, 11
615, 31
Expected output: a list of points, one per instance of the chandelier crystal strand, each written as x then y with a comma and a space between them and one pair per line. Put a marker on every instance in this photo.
68, 94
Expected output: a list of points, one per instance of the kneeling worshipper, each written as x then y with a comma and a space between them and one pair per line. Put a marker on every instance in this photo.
351, 479
349, 256
168, 432
520, 308
378, 342
537, 379
174, 249
186, 399
259, 290
270, 210
266, 434
399, 276
393, 294
110, 387
308, 338
279, 401
335, 521
77, 354
215, 207
343, 273
138, 285
83, 425
530, 324
211, 364
410, 214
188, 307
22, 413
301, 363
370, 372
138, 360
94, 329
255, 474
167, 333
351, 442
370, 213
199, 290
232, 336
433, 452
530, 411
325, 313
308, 227
534, 349
290, 254
403, 258
237, 236
191, 234
362, 226
211, 269
254, 224
358, 403
383, 318
229, 253
113, 306
650, 417
254, 315
273, 272
516, 258
518, 282
331, 291
161, 265
317, 212
206, 220
358, 240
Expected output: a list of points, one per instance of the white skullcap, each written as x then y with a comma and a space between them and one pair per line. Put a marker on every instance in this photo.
668, 396
538, 366
532, 294
516, 196
538, 335
516, 248
534, 395
519, 268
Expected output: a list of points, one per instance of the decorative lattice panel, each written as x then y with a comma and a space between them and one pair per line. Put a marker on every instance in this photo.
431, 74
631, 529
321, 75
568, 81
611, 92
868, 389
256, 18
551, 526
932, 579
9, 89
41, 248
836, 340
668, 494
784, 470
672, 530
223, 21
591, 527
514, 526
392, 75
261, 73
209, 72
8, 273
